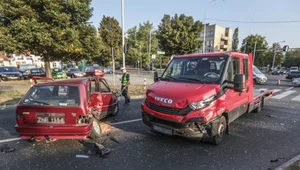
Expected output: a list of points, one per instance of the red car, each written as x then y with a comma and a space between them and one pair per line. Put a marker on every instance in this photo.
94, 71
65, 109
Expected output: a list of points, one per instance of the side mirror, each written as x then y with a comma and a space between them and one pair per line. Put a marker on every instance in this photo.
156, 78
239, 82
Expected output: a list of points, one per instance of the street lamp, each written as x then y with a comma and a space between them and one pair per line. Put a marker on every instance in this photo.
149, 49
275, 53
204, 32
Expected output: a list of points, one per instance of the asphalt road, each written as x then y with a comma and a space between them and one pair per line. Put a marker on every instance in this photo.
254, 141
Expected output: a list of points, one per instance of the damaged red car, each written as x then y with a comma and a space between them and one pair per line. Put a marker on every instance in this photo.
65, 109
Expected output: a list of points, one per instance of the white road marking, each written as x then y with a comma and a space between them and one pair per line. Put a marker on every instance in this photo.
128, 121
277, 90
289, 88
284, 94
297, 98
9, 140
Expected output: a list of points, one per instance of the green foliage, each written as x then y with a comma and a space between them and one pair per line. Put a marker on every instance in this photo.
235, 39
56, 30
179, 34
138, 39
111, 37
292, 59
261, 53
279, 58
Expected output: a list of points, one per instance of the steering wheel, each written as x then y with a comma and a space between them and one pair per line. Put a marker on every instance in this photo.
211, 73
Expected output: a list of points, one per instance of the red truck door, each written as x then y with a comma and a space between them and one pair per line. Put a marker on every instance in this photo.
245, 94
233, 97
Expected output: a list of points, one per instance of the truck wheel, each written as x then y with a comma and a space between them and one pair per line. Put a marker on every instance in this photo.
96, 131
220, 136
260, 106
115, 111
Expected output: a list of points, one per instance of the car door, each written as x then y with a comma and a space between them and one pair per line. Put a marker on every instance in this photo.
244, 98
109, 100
95, 98
233, 97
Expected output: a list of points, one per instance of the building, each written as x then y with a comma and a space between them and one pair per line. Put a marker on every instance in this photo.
218, 38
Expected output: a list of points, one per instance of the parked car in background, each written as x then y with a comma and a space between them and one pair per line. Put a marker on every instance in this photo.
74, 73
292, 69
108, 70
34, 72
9, 73
94, 71
258, 76
296, 81
58, 73
293, 74
23, 68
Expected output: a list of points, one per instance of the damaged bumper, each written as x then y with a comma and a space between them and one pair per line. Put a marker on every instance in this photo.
192, 130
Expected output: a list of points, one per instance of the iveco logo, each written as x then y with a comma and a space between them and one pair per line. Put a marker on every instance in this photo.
164, 100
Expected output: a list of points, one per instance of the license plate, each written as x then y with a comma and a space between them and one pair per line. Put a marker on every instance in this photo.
163, 130
55, 120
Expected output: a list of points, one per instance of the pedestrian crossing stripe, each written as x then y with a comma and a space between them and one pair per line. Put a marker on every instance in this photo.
286, 93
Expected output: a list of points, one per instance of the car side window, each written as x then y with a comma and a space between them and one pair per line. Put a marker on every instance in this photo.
94, 86
233, 68
104, 88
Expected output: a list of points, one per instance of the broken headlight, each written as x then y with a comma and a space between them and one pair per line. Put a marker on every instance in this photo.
202, 104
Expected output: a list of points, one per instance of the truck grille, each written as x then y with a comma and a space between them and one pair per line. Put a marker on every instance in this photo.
167, 110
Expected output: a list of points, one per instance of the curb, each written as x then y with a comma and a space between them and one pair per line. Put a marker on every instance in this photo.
288, 163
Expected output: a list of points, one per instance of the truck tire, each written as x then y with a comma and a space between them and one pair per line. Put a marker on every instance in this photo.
96, 131
115, 112
260, 106
220, 136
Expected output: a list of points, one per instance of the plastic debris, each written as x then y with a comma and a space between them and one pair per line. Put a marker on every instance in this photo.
113, 139
82, 156
101, 150
6, 149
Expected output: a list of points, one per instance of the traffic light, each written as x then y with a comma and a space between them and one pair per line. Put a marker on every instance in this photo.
285, 48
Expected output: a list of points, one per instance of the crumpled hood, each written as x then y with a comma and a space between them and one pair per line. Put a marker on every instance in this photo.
178, 94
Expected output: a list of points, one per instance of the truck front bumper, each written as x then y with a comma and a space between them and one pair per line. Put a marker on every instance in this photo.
191, 130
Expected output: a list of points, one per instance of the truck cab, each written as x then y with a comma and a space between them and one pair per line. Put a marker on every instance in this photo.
199, 95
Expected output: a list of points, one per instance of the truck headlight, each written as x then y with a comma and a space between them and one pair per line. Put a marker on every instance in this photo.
202, 104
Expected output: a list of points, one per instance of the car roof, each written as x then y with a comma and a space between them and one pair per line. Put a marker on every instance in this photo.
76, 81
211, 54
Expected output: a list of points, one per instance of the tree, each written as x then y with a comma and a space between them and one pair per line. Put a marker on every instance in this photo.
139, 43
179, 34
111, 37
248, 45
56, 30
277, 49
235, 39
292, 59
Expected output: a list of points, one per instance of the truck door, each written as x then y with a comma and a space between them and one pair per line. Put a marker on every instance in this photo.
232, 97
245, 94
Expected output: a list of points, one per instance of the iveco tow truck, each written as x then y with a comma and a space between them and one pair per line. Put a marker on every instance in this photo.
199, 95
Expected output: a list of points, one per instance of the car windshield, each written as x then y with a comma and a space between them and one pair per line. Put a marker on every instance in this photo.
26, 67
74, 69
9, 69
256, 70
55, 95
36, 71
195, 70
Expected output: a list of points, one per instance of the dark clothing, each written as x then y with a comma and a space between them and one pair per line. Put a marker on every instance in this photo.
124, 88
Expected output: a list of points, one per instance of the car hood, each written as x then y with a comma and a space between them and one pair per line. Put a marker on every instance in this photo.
178, 94
260, 75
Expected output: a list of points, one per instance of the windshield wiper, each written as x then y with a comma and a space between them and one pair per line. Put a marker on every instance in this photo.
193, 79
36, 101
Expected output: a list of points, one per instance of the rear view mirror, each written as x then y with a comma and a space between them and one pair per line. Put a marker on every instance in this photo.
239, 82
156, 78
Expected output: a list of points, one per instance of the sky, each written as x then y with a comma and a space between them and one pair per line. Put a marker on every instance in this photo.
139, 11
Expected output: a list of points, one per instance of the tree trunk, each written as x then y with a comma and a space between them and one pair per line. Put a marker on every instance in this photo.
48, 69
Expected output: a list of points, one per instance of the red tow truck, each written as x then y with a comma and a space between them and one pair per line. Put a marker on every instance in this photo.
199, 95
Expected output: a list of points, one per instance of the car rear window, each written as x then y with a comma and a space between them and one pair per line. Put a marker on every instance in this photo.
57, 95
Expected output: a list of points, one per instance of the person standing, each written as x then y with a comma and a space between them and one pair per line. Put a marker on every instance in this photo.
125, 81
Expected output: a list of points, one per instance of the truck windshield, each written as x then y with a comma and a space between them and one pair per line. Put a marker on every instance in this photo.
195, 70
57, 95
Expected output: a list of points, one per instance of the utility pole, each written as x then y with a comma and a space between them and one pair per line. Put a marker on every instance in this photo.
123, 38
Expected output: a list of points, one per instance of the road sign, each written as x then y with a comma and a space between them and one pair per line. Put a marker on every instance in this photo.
161, 52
